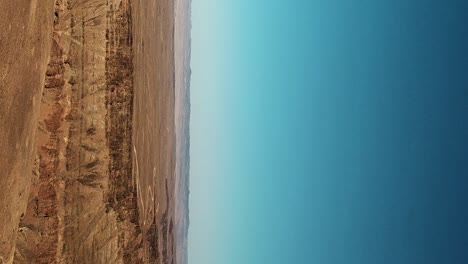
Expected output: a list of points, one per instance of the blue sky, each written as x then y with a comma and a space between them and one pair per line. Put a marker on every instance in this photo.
329, 132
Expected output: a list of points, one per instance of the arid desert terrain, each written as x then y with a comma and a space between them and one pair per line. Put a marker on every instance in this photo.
94, 107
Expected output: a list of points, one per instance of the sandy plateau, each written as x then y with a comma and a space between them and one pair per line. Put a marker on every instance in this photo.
94, 108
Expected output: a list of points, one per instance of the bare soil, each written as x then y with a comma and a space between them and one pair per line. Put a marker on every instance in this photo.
88, 135
25, 38
154, 135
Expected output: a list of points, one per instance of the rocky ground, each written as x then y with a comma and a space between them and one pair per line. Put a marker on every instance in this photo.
90, 134
25, 40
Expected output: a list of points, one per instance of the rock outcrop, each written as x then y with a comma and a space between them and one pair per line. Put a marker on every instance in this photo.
94, 132
82, 207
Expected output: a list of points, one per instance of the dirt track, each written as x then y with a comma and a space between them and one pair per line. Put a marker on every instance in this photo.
154, 135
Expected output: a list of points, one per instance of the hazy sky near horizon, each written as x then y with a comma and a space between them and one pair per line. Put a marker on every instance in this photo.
329, 132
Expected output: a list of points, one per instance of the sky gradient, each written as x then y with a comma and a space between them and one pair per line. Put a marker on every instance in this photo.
329, 132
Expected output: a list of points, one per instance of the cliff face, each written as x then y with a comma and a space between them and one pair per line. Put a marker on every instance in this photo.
82, 203
89, 112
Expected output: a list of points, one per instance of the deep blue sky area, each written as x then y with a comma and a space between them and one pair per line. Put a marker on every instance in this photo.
329, 132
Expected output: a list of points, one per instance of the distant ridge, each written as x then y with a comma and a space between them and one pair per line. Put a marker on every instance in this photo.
182, 50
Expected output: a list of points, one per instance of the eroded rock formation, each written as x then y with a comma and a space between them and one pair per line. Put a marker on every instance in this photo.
93, 165
82, 205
